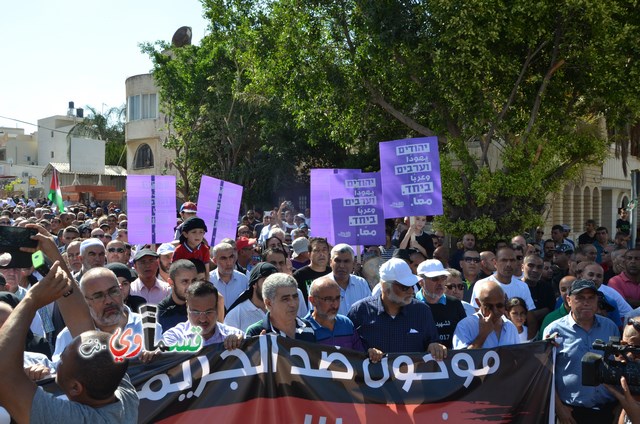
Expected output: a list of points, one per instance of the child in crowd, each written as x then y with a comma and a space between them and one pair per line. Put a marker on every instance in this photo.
517, 312
192, 242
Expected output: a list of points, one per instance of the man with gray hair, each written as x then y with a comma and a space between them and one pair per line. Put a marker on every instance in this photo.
280, 296
352, 287
229, 282
394, 321
92, 255
488, 328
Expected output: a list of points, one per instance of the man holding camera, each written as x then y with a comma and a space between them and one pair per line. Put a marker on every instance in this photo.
574, 335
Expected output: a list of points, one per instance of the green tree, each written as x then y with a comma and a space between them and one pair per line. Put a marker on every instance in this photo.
515, 91
107, 126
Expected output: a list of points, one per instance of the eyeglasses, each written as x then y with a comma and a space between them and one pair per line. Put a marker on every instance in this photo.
329, 299
493, 305
113, 293
207, 314
469, 259
402, 287
455, 286
115, 249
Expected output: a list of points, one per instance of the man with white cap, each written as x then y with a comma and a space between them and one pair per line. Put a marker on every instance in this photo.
92, 255
165, 254
394, 321
447, 310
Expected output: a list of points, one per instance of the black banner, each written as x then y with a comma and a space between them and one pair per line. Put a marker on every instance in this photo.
277, 380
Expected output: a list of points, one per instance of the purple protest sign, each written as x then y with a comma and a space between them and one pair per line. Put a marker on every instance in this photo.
410, 171
356, 208
321, 222
219, 205
151, 208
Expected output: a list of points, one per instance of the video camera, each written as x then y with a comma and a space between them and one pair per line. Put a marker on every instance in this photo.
598, 369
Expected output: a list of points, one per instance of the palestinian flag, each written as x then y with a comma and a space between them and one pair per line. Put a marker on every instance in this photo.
55, 195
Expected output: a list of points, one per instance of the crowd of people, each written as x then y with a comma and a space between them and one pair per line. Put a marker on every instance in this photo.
419, 292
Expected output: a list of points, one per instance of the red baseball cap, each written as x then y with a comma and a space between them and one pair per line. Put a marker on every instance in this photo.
243, 242
188, 207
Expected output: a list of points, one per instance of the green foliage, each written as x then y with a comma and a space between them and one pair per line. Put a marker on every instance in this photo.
107, 126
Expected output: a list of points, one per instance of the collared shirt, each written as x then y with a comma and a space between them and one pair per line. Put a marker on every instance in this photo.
612, 294
232, 289
357, 289
574, 342
343, 334
412, 330
468, 329
153, 295
517, 288
304, 331
244, 315
184, 333
628, 288
552, 316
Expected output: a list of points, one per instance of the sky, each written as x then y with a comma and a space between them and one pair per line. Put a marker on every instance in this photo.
56, 51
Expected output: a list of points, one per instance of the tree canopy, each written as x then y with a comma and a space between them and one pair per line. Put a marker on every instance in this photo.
517, 92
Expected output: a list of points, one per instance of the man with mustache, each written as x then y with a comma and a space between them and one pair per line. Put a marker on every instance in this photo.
102, 292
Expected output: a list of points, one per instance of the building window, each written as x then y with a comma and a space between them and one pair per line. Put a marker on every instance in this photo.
52, 154
142, 106
143, 157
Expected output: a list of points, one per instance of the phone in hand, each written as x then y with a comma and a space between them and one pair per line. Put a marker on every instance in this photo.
12, 239
41, 263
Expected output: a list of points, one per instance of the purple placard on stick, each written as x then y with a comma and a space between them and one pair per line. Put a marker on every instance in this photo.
321, 222
356, 208
151, 208
219, 205
410, 171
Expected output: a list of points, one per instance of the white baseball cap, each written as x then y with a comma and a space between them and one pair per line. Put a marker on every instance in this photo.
396, 269
432, 268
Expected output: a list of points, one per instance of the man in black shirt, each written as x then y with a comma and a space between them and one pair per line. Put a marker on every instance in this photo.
447, 311
172, 310
319, 250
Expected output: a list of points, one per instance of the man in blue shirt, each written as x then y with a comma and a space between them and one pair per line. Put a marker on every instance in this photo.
393, 321
576, 333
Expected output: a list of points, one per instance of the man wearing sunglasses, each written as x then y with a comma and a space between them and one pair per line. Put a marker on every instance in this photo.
393, 321
447, 311
453, 286
116, 252
488, 328
574, 335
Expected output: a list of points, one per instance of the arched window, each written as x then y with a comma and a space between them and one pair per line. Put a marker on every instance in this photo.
143, 157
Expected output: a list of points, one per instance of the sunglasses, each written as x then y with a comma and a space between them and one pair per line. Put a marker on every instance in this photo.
402, 287
115, 249
455, 286
469, 260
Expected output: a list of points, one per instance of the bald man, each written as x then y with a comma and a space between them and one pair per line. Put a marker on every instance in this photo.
487, 328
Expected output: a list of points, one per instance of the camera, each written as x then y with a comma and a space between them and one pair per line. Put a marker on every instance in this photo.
598, 369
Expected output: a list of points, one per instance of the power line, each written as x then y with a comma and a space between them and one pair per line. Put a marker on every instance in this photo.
35, 125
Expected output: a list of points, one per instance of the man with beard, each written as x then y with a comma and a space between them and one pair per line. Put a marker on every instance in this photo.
447, 310
165, 253
330, 327
103, 295
202, 304
92, 255
318, 267
541, 291
394, 321
574, 334
172, 310
488, 328
249, 308
627, 283
505, 262
487, 267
